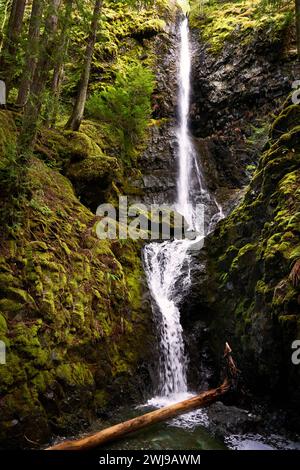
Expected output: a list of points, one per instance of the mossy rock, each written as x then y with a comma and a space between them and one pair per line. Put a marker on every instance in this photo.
7, 135
91, 169
68, 292
60, 148
287, 120
251, 256
3, 324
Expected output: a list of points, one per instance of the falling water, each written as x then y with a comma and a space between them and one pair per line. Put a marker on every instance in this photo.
185, 153
169, 262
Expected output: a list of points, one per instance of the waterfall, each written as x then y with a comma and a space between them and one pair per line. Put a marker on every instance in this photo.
183, 204
169, 262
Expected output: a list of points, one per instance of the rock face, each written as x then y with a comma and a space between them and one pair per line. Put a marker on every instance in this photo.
230, 419
246, 279
158, 163
249, 289
234, 93
246, 287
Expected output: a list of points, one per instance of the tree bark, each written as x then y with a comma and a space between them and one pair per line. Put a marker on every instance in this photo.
5, 16
10, 45
78, 110
42, 69
297, 13
58, 72
157, 416
119, 430
32, 51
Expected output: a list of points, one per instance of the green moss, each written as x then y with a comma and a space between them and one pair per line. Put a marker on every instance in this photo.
75, 374
93, 168
10, 306
261, 287
85, 293
288, 321
241, 20
71, 309
58, 148
3, 325
295, 253
243, 256
287, 120
18, 295
7, 136
101, 399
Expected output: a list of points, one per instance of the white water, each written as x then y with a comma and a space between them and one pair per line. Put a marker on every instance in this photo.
183, 204
167, 264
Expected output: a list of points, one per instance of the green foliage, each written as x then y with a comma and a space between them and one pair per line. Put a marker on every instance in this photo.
12, 186
240, 21
125, 106
258, 140
271, 5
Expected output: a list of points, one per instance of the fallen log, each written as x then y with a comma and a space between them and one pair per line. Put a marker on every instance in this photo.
117, 431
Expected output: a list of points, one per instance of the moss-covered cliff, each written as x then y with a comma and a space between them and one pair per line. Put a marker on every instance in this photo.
71, 313
246, 282
73, 317
249, 294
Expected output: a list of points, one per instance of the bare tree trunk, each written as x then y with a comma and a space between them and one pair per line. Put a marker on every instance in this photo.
157, 416
42, 69
120, 430
297, 9
78, 110
32, 51
10, 46
58, 73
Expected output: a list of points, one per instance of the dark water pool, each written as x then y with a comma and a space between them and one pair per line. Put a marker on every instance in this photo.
189, 432
178, 434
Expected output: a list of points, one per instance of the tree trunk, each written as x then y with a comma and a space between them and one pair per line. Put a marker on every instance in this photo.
51, 113
297, 9
43, 67
157, 416
9, 50
119, 430
5, 16
78, 110
32, 51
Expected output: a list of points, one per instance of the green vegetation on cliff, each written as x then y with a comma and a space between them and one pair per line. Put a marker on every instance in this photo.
126, 107
71, 312
239, 21
254, 263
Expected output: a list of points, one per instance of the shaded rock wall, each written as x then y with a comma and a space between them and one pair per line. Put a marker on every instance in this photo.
249, 291
234, 94
158, 163
241, 290
244, 288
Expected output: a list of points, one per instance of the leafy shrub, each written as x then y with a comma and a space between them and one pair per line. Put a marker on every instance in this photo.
125, 107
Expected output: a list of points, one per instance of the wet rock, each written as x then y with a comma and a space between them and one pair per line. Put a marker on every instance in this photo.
224, 420
158, 163
232, 92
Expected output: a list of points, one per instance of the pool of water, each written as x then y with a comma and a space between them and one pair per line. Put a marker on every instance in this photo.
178, 434
188, 432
